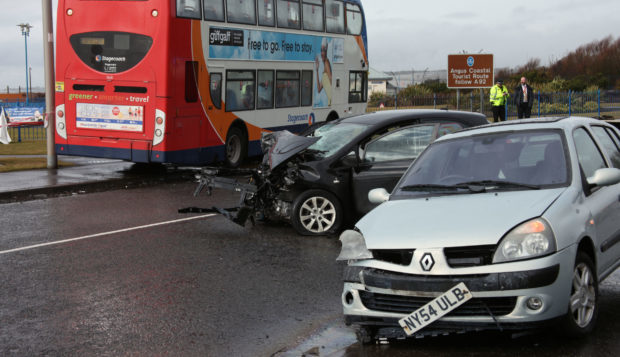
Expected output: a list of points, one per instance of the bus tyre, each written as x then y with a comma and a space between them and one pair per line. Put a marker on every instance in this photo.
316, 212
236, 146
583, 300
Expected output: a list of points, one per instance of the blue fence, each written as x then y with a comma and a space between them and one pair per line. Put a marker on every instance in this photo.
27, 133
567, 103
590, 104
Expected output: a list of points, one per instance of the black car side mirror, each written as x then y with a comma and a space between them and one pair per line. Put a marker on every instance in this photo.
350, 160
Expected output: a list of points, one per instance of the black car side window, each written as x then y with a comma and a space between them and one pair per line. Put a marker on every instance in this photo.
406, 143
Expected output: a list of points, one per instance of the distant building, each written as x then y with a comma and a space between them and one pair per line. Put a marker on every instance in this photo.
403, 79
377, 81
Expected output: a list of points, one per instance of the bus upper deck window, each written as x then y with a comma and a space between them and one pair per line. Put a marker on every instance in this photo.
241, 11
288, 14
334, 16
189, 9
354, 20
313, 15
265, 13
214, 10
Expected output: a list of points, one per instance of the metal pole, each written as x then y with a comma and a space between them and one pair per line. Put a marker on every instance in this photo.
481, 101
26, 47
598, 101
30, 81
50, 107
458, 98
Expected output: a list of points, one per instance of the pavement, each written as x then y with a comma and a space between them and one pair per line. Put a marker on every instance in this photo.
86, 175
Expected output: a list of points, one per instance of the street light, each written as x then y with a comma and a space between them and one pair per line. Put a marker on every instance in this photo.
25, 27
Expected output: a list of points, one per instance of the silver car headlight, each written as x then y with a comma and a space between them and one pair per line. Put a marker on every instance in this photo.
353, 246
528, 240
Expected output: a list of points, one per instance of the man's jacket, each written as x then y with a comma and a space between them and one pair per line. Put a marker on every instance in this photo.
497, 95
519, 95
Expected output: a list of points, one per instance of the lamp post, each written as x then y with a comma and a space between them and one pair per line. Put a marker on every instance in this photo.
30, 81
25, 27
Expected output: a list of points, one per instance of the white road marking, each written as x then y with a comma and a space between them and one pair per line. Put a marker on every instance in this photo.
106, 233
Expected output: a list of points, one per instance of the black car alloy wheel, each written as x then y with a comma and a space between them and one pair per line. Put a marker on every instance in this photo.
317, 212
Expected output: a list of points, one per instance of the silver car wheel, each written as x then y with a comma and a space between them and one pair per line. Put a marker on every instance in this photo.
317, 214
583, 295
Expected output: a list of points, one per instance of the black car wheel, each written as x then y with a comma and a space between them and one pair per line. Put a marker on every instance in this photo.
583, 304
316, 212
236, 147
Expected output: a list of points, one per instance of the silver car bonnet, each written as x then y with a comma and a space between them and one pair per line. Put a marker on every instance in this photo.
452, 220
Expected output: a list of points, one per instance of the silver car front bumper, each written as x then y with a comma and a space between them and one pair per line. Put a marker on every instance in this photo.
375, 295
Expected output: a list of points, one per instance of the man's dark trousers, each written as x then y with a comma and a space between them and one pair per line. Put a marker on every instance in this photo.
499, 111
524, 110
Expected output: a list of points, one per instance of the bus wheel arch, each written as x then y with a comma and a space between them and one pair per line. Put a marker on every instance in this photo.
236, 147
332, 116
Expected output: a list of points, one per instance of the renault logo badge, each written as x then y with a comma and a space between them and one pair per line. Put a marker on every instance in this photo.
427, 262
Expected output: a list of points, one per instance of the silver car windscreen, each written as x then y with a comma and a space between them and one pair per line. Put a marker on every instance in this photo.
533, 158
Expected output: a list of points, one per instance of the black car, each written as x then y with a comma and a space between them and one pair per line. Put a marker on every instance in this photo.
320, 180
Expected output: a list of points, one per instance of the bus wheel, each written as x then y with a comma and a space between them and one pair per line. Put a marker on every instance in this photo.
236, 147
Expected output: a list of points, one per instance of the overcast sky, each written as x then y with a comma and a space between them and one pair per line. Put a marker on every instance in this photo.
402, 34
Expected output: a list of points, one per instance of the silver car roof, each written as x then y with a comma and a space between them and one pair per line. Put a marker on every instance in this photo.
565, 123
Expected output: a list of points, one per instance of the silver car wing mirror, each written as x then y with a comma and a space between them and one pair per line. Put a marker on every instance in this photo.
602, 177
378, 195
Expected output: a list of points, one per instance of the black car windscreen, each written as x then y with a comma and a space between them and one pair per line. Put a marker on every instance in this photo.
111, 52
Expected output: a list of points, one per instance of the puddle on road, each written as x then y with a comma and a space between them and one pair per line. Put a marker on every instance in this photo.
331, 341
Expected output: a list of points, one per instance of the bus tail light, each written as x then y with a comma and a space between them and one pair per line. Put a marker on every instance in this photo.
61, 126
160, 127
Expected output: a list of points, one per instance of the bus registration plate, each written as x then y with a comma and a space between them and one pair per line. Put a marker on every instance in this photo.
109, 117
435, 309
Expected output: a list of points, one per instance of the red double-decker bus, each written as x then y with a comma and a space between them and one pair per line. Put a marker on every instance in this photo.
198, 81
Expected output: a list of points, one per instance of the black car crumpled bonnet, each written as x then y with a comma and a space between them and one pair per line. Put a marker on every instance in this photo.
280, 146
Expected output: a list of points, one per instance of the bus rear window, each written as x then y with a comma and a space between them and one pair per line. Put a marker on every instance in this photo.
111, 52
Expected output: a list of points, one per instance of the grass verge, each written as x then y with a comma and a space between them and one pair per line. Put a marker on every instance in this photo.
24, 148
27, 163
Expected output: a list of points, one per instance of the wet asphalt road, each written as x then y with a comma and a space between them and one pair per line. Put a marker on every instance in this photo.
204, 287
200, 287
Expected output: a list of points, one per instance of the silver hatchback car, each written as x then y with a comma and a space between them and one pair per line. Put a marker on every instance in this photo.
506, 226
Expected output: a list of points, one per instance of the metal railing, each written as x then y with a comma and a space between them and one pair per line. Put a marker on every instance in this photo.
591, 104
27, 133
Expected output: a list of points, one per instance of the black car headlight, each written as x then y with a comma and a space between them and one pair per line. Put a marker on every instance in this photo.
353, 246
528, 240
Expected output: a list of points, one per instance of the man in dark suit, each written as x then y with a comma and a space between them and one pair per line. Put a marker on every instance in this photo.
524, 98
